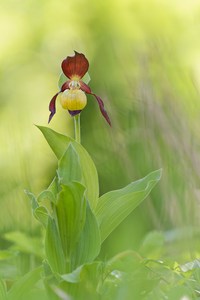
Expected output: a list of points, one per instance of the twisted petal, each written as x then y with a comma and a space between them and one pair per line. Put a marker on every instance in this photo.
52, 104
86, 89
65, 86
75, 66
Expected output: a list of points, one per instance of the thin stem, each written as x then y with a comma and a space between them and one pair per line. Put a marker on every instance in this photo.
77, 128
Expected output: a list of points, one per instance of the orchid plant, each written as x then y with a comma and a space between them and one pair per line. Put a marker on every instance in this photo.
76, 220
73, 97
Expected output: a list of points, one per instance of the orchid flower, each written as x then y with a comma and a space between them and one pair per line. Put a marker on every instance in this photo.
73, 91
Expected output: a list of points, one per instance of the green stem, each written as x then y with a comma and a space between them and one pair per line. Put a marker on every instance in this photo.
77, 128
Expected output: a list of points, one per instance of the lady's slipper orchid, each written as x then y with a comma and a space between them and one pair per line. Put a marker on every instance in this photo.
73, 91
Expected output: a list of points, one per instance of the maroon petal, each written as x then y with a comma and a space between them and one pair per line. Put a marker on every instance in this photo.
86, 89
102, 109
52, 106
76, 65
65, 86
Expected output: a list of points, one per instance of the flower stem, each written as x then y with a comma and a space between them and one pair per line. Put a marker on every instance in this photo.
77, 128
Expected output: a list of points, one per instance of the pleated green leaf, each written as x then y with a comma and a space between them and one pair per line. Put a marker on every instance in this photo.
89, 243
113, 207
71, 212
59, 144
69, 166
53, 248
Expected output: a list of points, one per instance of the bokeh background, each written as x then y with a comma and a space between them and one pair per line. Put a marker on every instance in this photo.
145, 63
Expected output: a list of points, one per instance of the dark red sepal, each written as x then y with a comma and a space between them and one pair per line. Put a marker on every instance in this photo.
86, 89
102, 108
52, 106
76, 65
65, 86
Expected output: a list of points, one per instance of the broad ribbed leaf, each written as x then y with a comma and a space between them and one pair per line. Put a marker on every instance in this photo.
71, 212
22, 286
69, 166
115, 206
59, 144
89, 243
53, 248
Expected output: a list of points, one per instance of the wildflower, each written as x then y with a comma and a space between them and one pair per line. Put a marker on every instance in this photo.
73, 91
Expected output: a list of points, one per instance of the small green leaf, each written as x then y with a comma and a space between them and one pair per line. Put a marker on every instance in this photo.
69, 166
3, 291
41, 214
59, 144
46, 200
71, 212
33, 200
73, 277
89, 244
115, 206
85, 273
22, 286
46, 197
53, 248
54, 188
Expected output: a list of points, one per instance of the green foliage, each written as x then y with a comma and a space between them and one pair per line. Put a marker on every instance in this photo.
75, 231
146, 68
115, 206
53, 248
23, 285
89, 244
3, 290
69, 167
78, 225
59, 144
24, 243
71, 213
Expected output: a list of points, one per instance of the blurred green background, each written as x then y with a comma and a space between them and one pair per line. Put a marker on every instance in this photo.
145, 63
